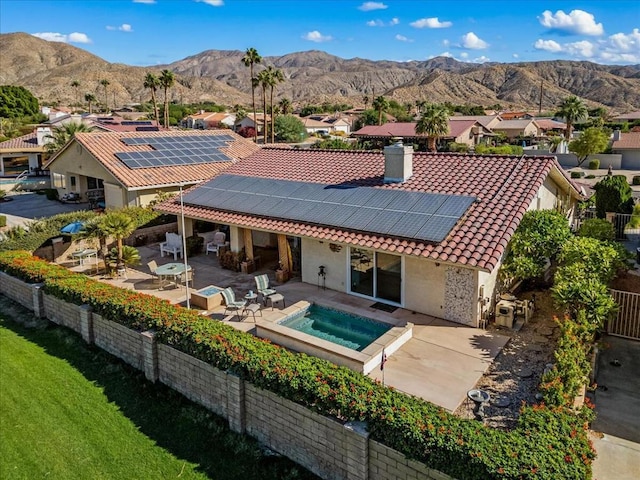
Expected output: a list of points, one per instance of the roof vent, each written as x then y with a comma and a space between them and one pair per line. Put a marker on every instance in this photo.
398, 162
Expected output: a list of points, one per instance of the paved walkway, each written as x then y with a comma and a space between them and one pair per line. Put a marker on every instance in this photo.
440, 363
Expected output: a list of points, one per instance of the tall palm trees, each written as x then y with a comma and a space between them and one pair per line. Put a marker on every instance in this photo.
75, 85
275, 76
434, 122
251, 58
105, 83
167, 79
152, 83
380, 104
573, 110
285, 106
263, 80
90, 98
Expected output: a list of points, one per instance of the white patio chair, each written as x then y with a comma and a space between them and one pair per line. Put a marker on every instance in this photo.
173, 244
218, 241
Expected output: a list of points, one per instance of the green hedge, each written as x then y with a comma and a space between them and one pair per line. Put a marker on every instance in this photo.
3, 221
548, 443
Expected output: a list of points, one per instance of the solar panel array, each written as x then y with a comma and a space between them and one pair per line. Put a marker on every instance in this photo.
398, 213
136, 122
177, 150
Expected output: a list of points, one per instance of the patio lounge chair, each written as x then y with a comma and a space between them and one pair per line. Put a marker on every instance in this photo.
173, 244
218, 241
230, 302
262, 284
153, 266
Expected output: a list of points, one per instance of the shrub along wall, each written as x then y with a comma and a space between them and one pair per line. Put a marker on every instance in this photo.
549, 443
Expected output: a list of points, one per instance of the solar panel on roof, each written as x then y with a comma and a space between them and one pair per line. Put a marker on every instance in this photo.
356, 208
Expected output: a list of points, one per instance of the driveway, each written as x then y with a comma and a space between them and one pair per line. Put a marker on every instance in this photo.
617, 399
28, 206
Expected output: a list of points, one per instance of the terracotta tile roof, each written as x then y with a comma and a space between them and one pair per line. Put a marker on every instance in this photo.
548, 124
25, 142
628, 140
504, 186
104, 145
517, 124
408, 129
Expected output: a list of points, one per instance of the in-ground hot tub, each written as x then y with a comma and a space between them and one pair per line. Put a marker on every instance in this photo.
340, 337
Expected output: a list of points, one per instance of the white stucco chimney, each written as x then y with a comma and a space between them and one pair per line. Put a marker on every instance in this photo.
398, 162
42, 135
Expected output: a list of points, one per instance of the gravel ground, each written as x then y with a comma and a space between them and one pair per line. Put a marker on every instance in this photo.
514, 376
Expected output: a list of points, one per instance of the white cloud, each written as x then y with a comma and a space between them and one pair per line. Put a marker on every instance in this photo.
125, 27
446, 43
430, 23
472, 41
583, 48
317, 37
464, 55
368, 6
74, 37
213, 3
402, 38
576, 22
380, 23
515, 55
394, 21
547, 45
149, 2
481, 59
625, 43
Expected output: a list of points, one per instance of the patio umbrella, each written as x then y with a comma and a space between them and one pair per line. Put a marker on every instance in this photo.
72, 228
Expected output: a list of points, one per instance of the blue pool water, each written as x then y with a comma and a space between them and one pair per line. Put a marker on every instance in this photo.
208, 291
343, 328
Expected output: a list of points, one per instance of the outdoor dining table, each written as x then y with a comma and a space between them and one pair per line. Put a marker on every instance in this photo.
169, 270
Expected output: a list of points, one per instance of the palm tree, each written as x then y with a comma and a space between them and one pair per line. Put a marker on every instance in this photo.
75, 84
60, 136
167, 79
380, 104
119, 225
573, 110
105, 83
365, 99
285, 106
152, 83
264, 81
275, 77
90, 98
251, 58
434, 122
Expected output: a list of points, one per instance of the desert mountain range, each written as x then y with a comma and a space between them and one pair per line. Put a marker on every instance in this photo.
48, 68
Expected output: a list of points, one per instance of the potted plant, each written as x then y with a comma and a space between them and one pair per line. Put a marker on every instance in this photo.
282, 274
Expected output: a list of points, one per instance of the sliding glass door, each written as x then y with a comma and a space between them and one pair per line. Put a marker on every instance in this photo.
376, 274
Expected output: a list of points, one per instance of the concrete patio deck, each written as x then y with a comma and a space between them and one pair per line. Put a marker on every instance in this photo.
440, 363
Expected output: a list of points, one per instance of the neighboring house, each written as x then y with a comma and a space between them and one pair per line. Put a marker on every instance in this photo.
131, 168
627, 117
249, 122
469, 132
336, 122
487, 121
24, 153
628, 145
425, 232
118, 124
206, 120
524, 127
550, 126
128, 113
316, 126
515, 115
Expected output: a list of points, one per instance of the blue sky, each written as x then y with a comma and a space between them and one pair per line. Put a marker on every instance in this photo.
151, 32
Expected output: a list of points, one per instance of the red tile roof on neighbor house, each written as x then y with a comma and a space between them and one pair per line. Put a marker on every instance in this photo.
104, 145
24, 143
408, 129
504, 186
628, 141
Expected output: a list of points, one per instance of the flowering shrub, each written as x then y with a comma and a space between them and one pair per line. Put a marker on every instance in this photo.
549, 443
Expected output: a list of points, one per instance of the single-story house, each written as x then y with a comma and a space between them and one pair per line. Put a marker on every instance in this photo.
131, 168
627, 117
422, 231
524, 127
469, 132
628, 145
312, 125
549, 125
487, 121
249, 122
24, 153
205, 120
336, 122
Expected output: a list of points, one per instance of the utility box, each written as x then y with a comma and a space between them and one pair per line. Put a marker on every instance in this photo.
505, 313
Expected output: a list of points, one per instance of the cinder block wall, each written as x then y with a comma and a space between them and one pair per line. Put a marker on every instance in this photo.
324, 445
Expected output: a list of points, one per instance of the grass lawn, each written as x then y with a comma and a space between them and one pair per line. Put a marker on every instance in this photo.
71, 411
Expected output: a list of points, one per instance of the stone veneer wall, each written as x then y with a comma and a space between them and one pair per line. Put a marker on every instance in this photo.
460, 296
324, 445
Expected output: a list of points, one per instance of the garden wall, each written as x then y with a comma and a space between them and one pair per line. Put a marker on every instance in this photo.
324, 445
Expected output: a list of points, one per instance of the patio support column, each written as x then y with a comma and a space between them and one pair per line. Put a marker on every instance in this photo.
248, 243
188, 226
236, 240
283, 252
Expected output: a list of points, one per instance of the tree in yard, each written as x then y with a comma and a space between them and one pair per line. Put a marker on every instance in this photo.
75, 85
365, 100
433, 123
152, 83
17, 102
289, 129
105, 83
264, 81
61, 135
275, 77
380, 104
167, 79
251, 58
613, 194
119, 225
573, 110
592, 140
90, 98
285, 106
